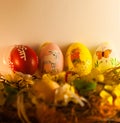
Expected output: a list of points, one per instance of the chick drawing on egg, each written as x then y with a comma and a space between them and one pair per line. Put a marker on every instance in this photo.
50, 58
104, 58
50, 61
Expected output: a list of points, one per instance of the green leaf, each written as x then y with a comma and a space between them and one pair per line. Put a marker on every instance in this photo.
11, 90
11, 93
84, 86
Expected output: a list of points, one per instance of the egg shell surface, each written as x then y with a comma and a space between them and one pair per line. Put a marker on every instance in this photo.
50, 59
4, 60
78, 59
105, 57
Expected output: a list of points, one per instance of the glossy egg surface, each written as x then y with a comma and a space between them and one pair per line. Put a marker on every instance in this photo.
23, 59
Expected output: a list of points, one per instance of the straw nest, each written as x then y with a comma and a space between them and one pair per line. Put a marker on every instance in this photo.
19, 103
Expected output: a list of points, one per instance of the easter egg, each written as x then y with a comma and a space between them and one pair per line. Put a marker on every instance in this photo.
4, 59
105, 57
50, 59
78, 59
23, 59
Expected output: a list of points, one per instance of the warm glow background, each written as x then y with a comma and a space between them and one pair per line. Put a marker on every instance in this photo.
62, 21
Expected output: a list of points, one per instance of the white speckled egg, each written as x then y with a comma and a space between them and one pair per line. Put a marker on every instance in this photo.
50, 59
105, 57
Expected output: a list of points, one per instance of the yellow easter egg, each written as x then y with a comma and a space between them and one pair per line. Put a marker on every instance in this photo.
78, 59
105, 57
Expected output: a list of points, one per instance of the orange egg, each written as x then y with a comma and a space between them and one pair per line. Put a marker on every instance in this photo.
50, 59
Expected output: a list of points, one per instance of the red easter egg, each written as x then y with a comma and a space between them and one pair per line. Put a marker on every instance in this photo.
23, 59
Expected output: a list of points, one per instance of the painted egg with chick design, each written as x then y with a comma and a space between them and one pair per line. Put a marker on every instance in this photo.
105, 57
50, 58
